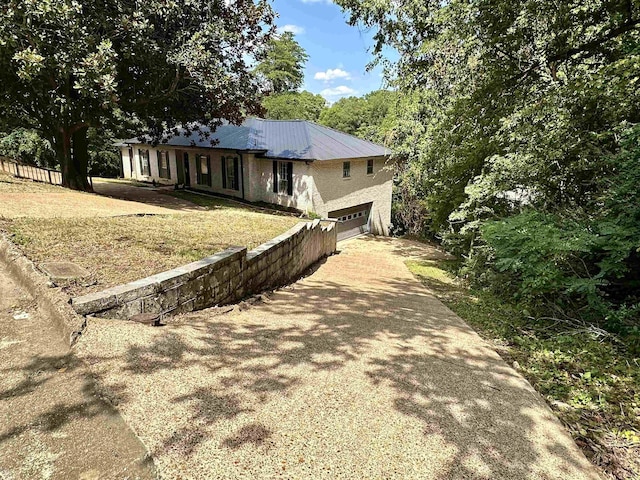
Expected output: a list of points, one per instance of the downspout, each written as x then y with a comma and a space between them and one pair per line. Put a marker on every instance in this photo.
241, 171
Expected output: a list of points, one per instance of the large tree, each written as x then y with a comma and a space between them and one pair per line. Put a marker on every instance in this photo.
282, 69
69, 65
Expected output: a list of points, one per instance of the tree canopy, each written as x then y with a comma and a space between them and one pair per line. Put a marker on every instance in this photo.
294, 106
68, 66
371, 116
282, 69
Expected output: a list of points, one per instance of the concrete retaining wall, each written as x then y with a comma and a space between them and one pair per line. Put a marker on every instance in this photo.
220, 279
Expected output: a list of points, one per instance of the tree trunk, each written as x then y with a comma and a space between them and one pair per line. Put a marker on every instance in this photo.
74, 161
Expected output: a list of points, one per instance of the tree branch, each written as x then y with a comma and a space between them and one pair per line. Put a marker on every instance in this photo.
588, 47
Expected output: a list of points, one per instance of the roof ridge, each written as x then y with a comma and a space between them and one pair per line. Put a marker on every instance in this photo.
308, 135
252, 140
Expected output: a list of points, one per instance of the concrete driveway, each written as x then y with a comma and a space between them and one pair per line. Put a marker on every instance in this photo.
355, 372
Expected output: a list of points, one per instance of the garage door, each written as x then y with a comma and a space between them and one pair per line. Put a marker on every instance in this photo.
352, 221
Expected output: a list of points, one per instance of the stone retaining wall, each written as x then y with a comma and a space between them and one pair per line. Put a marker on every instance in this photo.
220, 279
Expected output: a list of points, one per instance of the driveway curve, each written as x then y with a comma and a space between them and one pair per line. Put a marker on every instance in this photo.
354, 372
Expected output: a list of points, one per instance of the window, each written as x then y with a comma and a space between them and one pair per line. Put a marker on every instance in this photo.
203, 169
145, 167
369, 167
346, 169
283, 177
283, 181
230, 174
164, 170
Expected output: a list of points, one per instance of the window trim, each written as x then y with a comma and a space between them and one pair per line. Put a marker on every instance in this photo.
280, 169
346, 170
147, 161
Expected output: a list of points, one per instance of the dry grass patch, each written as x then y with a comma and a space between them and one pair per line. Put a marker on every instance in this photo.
11, 184
122, 249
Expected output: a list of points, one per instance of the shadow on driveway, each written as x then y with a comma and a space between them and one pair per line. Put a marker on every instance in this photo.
354, 372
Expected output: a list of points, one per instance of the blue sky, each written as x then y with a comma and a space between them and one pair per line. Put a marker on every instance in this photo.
338, 53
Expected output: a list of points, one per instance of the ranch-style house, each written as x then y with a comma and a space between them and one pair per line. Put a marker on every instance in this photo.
293, 163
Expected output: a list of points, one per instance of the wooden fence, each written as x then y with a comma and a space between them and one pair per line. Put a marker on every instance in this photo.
37, 174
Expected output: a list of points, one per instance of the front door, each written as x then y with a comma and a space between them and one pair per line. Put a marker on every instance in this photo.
187, 173
180, 167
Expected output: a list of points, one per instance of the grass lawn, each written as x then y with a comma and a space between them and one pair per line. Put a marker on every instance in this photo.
125, 248
592, 384
11, 184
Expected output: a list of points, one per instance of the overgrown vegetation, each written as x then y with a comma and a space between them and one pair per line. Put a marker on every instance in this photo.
589, 378
518, 141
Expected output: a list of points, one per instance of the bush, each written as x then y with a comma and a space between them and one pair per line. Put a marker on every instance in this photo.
583, 263
28, 147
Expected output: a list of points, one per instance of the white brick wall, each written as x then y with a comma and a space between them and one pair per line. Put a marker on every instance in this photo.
260, 175
153, 163
332, 192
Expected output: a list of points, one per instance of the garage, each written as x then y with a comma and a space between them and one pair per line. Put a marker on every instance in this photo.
352, 221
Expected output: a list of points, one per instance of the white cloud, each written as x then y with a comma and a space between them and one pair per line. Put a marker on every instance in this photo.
295, 29
340, 91
332, 74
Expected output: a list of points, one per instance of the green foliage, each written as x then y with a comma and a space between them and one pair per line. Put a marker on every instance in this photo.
294, 106
545, 255
371, 117
66, 66
104, 156
283, 66
28, 147
517, 130
586, 257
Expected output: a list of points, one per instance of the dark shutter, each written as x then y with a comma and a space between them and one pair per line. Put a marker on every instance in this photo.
209, 174
159, 164
140, 161
236, 178
198, 170
224, 172
168, 165
275, 176
290, 178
